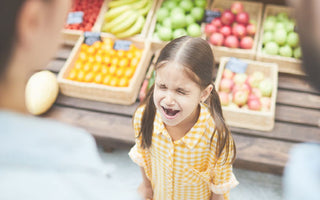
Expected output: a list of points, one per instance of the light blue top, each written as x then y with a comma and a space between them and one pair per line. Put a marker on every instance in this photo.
44, 159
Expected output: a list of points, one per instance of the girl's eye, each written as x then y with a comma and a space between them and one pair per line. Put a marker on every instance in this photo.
180, 91
162, 86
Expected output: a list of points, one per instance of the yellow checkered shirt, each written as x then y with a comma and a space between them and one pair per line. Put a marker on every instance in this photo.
186, 168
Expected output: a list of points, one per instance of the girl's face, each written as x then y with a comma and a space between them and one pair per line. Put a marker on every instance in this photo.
176, 96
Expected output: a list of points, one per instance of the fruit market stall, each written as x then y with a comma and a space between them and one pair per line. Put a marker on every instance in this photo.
297, 119
267, 100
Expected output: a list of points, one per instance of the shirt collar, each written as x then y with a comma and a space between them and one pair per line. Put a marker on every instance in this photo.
196, 132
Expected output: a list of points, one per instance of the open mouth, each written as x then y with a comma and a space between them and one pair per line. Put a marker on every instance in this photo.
171, 113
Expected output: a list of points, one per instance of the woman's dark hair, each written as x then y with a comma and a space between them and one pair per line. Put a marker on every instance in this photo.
196, 56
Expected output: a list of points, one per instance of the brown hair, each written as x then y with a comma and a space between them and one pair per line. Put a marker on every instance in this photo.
197, 58
9, 11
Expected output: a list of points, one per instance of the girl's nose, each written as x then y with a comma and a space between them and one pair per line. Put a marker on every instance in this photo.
169, 99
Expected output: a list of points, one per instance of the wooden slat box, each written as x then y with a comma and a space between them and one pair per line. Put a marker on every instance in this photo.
100, 92
244, 118
254, 9
286, 65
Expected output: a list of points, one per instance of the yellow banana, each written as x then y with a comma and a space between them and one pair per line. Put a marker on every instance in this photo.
144, 11
115, 12
136, 28
120, 19
139, 4
126, 24
117, 3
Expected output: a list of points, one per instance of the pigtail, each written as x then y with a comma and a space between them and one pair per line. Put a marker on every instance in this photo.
224, 138
147, 119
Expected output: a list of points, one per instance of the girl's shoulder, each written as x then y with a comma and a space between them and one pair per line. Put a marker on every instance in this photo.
139, 112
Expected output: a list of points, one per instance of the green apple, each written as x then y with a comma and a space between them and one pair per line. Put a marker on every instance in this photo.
179, 32
194, 30
167, 22
280, 36
170, 4
189, 20
200, 3
269, 25
271, 48
290, 26
165, 34
293, 39
197, 13
271, 18
267, 37
282, 16
186, 5
280, 25
155, 37
285, 51
162, 13
177, 10
266, 87
178, 20
297, 53
158, 26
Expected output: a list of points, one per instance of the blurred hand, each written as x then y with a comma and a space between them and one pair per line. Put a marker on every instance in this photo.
145, 190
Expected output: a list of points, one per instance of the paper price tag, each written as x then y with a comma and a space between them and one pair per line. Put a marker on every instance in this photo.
91, 37
75, 17
236, 65
122, 44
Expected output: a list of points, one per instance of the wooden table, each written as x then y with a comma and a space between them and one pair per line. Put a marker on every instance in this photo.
297, 120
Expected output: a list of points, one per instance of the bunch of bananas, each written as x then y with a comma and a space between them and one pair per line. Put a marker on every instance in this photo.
126, 17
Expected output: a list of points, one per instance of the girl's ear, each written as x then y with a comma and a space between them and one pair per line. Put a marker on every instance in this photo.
206, 93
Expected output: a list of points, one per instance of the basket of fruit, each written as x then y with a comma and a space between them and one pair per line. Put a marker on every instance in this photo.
83, 16
176, 18
108, 69
279, 41
127, 18
248, 91
232, 30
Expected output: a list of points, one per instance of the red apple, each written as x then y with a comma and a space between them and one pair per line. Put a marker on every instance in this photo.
242, 87
231, 41
224, 98
217, 22
240, 98
209, 29
242, 18
251, 29
226, 85
254, 104
227, 73
217, 39
256, 92
246, 42
227, 17
225, 30
239, 30
236, 7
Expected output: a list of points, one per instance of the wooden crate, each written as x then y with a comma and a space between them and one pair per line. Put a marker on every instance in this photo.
286, 65
100, 92
255, 10
145, 29
70, 37
243, 118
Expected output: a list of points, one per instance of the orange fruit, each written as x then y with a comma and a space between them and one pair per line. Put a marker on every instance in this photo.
104, 69
107, 60
97, 45
96, 67
91, 59
112, 69
91, 50
114, 82
73, 74
83, 56
106, 80
123, 82
84, 47
120, 72
98, 78
80, 75
129, 72
112, 52
114, 61
120, 53
134, 62
87, 67
130, 55
123, 62
78, 65
89, 77
98, 58
138, 53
